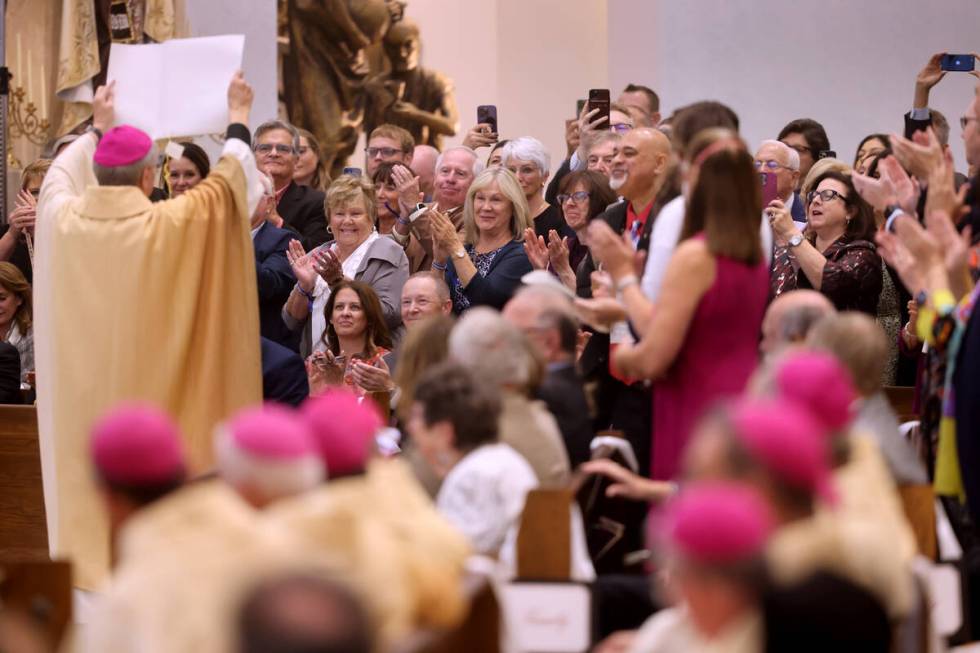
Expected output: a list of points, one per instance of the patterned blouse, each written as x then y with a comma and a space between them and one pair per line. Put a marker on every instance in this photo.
482, 263
851, 277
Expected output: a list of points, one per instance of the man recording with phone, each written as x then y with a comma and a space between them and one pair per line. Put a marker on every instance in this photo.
783, 162
920, 117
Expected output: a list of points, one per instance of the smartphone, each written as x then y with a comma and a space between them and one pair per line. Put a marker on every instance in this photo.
579, 106
599, 99
768, 187
487, 114
353, 172
957, 63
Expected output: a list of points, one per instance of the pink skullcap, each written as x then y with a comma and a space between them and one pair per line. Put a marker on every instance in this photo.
271, 432
138, 445
122, 146
717, 523
344, 429
820, 384
786, 440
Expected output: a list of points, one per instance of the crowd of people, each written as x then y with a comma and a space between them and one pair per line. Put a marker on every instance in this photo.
704, 330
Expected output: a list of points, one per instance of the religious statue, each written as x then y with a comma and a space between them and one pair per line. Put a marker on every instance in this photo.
325, 69
410, 96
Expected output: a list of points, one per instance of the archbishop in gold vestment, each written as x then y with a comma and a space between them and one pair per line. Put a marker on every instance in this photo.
137, 301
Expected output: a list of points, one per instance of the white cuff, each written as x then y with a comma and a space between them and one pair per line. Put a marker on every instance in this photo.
253, 187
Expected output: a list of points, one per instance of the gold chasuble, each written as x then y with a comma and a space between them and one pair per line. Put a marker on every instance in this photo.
137, 301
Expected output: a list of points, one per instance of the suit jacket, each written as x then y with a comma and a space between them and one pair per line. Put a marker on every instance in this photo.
9, 374
912, 125
798, 211
301, 209
563, 394
283, 375
275, 280
595, 358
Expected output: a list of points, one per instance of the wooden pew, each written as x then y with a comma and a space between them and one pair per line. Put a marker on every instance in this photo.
40, 591
23, 530
479, 632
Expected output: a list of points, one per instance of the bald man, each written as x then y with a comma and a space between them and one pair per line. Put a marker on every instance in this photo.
790, 317
545, 315
424, 165
639, 171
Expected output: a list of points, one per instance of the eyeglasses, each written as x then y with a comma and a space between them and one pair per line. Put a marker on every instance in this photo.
385, 152
965, 120
620, 127
772, 165
825, 195
578, 197
266, 148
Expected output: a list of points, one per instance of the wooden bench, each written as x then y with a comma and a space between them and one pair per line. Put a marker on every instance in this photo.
23, 530
39, 591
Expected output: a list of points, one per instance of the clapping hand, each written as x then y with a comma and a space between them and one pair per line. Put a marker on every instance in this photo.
445, 239
536, 250
327, 265
614, 252
24, 216
302, 265
407, 185
893, 187
920, 155
372, 378
325, 370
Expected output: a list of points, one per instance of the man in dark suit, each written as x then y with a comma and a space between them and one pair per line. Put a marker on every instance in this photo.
9, 374
276, 146
546, 316
275, 276
284, 377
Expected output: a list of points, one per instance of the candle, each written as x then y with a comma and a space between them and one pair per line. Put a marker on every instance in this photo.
20, 62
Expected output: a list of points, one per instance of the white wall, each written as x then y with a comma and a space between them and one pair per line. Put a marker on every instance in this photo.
849, 65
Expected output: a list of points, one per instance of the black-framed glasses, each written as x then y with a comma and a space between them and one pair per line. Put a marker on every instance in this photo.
825, 195
772, 165
578, 197
266, 148
965, 120
385, 152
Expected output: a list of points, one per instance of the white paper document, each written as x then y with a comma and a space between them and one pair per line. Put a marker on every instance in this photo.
175, 88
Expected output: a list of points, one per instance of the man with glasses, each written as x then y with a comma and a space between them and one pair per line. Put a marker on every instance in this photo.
809, 139
779, 159
276, 146
388, 144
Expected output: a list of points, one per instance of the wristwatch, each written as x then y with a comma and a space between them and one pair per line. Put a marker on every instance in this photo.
417, 212
460, 253
795, 240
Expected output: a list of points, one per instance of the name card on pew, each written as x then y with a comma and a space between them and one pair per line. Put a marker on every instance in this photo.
548, 617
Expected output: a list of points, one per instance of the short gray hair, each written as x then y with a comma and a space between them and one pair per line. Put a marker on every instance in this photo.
492, 348
791, 155
477, 164
527, 148
272, 125
595, 139
127, 175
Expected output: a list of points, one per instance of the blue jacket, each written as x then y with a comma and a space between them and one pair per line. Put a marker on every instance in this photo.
283, 375
503, 278
275, 281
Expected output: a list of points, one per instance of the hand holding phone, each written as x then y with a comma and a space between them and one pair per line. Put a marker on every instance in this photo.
599, 99
768, 180
486, 114
957, 63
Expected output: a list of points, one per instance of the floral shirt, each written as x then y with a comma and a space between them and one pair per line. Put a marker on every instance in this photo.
851, 278
482, 263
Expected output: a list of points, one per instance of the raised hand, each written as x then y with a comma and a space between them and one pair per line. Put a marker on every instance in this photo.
536, 250
240, 96
407, 185
103, 107
302, 265
445, 240
327, 265
614, 252
920, 155
480, 135
928, 77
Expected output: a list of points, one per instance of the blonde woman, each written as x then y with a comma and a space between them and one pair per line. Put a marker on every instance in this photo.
486, 266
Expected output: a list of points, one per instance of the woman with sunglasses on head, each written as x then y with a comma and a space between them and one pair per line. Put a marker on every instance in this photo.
836, 255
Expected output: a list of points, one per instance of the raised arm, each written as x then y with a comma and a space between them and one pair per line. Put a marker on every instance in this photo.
238, 137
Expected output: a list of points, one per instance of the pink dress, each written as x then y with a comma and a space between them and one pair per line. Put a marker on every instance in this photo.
718, 356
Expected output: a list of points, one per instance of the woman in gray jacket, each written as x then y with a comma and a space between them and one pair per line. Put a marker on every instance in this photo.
357, 253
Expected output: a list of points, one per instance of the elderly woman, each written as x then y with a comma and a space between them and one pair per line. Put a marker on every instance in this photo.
836, 256
529, 161
309, 169
453, 424
16, 316
357, 253
487, 266
356, 335
188, 170
500, 355
582, 196
20, 224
